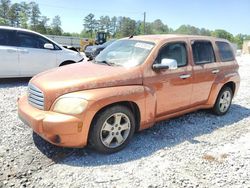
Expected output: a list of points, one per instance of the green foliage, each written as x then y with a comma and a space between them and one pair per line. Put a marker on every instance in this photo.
42, 26
239, 39
127, 27
28, 15
84, 34
13, 15
4, 9
205, 32
56, 25
159, 28
191, 30
220, 33
24, 14
90, 24
34, 15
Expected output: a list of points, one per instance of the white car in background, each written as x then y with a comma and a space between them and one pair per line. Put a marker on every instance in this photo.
24, 53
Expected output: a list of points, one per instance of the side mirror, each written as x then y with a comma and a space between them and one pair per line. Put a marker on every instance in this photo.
48, 46
166, 64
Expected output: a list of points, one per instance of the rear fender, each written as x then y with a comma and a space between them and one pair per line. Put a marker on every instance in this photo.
216, 87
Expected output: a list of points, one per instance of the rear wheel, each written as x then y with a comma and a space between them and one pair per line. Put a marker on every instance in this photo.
112, 129
223, 101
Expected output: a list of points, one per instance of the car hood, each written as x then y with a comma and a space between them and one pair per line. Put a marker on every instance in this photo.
90, 48
83, 76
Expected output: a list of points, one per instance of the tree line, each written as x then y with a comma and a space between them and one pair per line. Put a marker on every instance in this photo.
118, 27
28, 15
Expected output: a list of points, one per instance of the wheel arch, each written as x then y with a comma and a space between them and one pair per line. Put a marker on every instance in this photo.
67, 62
231, 85
130, 105
216, 88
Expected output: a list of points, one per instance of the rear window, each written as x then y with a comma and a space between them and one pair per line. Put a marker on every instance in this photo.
225, 51
7, 37
203, 52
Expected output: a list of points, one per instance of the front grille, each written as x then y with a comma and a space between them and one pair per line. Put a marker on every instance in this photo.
35, 97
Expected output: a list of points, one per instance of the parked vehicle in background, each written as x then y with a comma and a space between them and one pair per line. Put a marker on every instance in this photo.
92, 51
24, 53
100, 38
130, 85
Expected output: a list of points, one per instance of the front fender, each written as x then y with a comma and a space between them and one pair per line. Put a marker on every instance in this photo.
97, 99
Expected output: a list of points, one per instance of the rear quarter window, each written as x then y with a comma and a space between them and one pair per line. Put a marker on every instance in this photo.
225, 51
203, 52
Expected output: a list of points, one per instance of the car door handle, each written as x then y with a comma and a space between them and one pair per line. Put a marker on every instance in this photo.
11, 50
215, 71
24, 51
185, 76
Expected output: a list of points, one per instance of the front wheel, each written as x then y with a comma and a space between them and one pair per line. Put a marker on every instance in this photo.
223, 101
112, 129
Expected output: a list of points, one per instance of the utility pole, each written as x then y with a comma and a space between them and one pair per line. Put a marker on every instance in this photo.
144, 23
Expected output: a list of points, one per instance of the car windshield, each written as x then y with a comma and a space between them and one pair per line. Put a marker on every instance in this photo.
108, 43
127, 53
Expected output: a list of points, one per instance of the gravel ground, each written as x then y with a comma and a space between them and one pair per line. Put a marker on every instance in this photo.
195, 150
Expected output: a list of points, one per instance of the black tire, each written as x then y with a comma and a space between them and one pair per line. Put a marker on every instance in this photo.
105, 128
220, 108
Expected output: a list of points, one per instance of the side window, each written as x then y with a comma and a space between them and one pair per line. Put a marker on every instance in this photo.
203, 52
7, 37
175, 51
225, 51
30, 40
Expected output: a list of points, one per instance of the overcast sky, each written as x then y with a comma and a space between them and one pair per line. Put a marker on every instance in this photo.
231, 15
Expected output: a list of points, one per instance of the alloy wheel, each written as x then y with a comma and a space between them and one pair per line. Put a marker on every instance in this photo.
115, 130
225, 101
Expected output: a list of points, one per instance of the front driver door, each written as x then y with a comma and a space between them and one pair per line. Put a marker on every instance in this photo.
8, 54
33, 57
173, 88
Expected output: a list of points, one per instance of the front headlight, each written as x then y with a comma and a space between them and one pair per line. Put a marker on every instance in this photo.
70, 105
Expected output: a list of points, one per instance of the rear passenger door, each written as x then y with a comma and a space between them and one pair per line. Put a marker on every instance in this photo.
9, 65
205, 70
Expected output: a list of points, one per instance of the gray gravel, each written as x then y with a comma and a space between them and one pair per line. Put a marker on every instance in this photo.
195, 150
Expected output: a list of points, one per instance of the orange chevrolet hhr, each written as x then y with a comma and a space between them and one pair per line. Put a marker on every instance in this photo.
130, 85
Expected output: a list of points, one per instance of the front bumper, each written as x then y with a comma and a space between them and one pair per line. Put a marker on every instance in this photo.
58, 129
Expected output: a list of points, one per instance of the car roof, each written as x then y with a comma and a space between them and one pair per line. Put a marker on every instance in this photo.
30, 31
163, 37
18, 29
